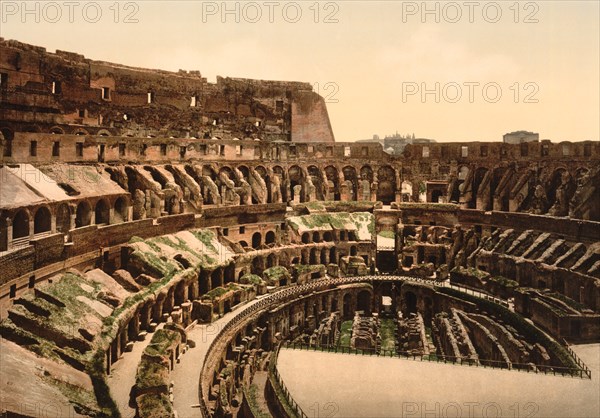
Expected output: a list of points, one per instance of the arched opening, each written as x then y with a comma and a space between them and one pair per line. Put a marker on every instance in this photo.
333, 183
347, 306
102, 212
332, 255
386, 191
42, 221
324, 256
407, 191
479, 188
317, 180
305, 238
363, 301
410, 302
256, 240
21, 224
121, 210
270, 237
63, 218
203, 282
327, 236
316, 237
296, 177
351, 182
271, 260
215, 278
83, 214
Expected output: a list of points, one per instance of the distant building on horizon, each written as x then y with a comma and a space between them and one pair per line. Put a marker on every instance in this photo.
519, 137
395, 144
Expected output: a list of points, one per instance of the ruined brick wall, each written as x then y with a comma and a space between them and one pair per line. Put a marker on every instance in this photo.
310, 120
64, 92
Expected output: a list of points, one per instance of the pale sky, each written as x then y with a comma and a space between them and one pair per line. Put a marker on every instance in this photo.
371, 60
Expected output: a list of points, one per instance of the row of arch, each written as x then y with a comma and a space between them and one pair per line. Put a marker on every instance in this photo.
43, 219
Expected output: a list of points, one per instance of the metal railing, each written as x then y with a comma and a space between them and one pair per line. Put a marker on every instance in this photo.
494, 364
297, 290
282, 387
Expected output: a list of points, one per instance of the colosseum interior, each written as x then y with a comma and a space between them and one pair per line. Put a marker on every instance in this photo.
163, 239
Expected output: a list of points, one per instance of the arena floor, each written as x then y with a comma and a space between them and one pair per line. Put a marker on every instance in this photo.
343, 385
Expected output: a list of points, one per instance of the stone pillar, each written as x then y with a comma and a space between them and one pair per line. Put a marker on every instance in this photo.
31, 226
9, 233
186, 313
53, 223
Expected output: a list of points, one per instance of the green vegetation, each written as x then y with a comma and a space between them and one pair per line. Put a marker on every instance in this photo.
252, 279
206, 237
345, 334
387, 234
503, 281
306, 268
470, 271
428, 206
387, 330
568, 301
290, 412
275, 274
155, 405
217, 292
251, 393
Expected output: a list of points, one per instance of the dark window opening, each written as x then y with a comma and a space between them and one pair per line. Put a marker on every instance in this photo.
33, 148
163, 149
182, 151
143, 149
279, 106
13, 291
56, 149
484, 151
105, 93
444, 150
7, 148
3, 80
545, 150
82, 113
79, 149
56, 87
225, 231
122, 150
242, 229
31, 282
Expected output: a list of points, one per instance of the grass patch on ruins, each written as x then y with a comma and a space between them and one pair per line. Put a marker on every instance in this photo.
503, 281
345, 334
428, 206
387, 330
387, 234
274, 275
567, 301
251, 394
206, 237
